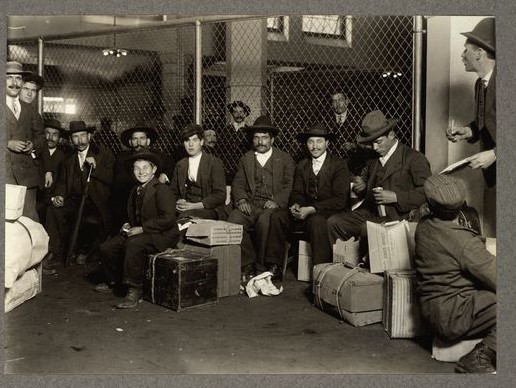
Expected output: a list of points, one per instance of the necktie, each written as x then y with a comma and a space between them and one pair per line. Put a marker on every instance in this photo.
81, 160
316, 166
481, 97
139, 190
15, 108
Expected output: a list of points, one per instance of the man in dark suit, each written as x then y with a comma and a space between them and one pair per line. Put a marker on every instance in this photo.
70, 188
137, 139
151, 228
262, 185
479, 57
198, 182
321, 188
25, 140
392, 184
52, 158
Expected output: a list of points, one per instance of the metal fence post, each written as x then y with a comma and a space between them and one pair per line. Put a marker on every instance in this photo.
198, 72
41, 65
418, 70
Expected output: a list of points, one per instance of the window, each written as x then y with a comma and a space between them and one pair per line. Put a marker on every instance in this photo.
332, 30
60, 105
277, 28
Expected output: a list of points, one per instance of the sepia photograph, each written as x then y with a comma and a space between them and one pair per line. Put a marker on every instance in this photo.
250, 194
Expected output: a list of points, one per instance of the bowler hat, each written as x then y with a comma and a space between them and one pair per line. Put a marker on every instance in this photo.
239, 104
53, 123
374, 125
13, 67
190, 130
262, 124
483, 35
317, 130
144, 155
126, 135
38, 80
79, 126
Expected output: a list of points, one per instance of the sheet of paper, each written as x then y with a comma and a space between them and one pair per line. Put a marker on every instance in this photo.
455, 166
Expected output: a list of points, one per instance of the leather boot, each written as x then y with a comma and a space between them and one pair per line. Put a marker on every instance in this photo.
133, 297
480, 360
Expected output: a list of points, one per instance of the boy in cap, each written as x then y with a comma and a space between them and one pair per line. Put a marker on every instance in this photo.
198, 183
456, 276
151, 227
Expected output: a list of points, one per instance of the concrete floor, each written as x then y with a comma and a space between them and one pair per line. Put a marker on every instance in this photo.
69, 329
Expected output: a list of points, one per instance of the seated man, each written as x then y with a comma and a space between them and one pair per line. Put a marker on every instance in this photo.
198, 182
151, 228
321, 188
456, 276
261, 186
392, 184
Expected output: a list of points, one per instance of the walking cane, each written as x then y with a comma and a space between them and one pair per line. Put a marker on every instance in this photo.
79, 217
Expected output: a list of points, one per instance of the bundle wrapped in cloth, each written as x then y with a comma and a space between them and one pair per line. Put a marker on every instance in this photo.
262, 283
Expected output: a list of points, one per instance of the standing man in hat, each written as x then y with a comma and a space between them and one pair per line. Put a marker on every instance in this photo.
261, 187
198, 182
25, 140
232, 140
137, 139
151, 227
392, 184
32, 84
70, 187
479, 56
456, 276
321, 188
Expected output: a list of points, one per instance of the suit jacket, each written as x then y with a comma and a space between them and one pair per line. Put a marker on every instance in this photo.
101, 178
157, 214
405, 173
332, 189
231, 146
244, 185
210, 177
487, 134
52, 163
22, 169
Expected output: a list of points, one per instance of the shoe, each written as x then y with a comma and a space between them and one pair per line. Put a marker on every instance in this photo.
48, 271
480, 360
248, 272
52, 260
133, 297
103, 287
275, 269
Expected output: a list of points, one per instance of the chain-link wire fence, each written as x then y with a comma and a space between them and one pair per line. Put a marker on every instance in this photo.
286, 67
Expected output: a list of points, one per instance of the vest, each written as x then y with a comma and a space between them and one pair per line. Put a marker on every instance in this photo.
263, 181
193, 191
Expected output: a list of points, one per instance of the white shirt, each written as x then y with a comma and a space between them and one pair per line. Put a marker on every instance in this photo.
16, 101
384, 159
488, 77
81, 155
51, 151
263, 158
340, 118
317, 163
193, 166
238, 126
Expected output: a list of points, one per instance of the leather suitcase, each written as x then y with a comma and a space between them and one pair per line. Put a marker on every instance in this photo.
181, 280
354, 294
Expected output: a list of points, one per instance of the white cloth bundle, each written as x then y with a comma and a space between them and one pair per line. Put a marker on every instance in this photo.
262, 283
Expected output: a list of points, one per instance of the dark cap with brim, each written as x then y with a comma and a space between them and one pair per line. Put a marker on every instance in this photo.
317, 130
126, 135
144, 155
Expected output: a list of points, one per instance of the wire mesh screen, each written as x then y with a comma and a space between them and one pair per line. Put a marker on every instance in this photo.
285, 67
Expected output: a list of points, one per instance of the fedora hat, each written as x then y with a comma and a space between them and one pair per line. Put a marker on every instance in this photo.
317, 130
126, 135
38, 80
53, 123
144, 155
262, 124
13, 67
374, 125
79, 126
239, 104
483, 35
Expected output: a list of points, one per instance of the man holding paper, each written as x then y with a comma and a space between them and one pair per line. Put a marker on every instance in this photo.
391, 185
479, 57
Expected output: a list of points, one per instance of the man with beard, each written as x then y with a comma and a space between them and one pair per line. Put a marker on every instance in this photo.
25, 140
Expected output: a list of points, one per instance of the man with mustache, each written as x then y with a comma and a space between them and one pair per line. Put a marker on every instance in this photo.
70, 187
261, 187
25, 140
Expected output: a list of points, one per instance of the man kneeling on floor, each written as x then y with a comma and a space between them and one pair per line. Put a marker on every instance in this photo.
456, 276
151, 228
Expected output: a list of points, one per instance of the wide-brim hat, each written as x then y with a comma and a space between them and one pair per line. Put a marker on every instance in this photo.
374, 125
239, 104
53, 123
79, 126
262, 124
126, 135
144, 155
38, 80
483, 35
13, 67
317, 130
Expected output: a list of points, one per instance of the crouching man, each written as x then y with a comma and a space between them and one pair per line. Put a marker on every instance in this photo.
151, 227
456, 276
